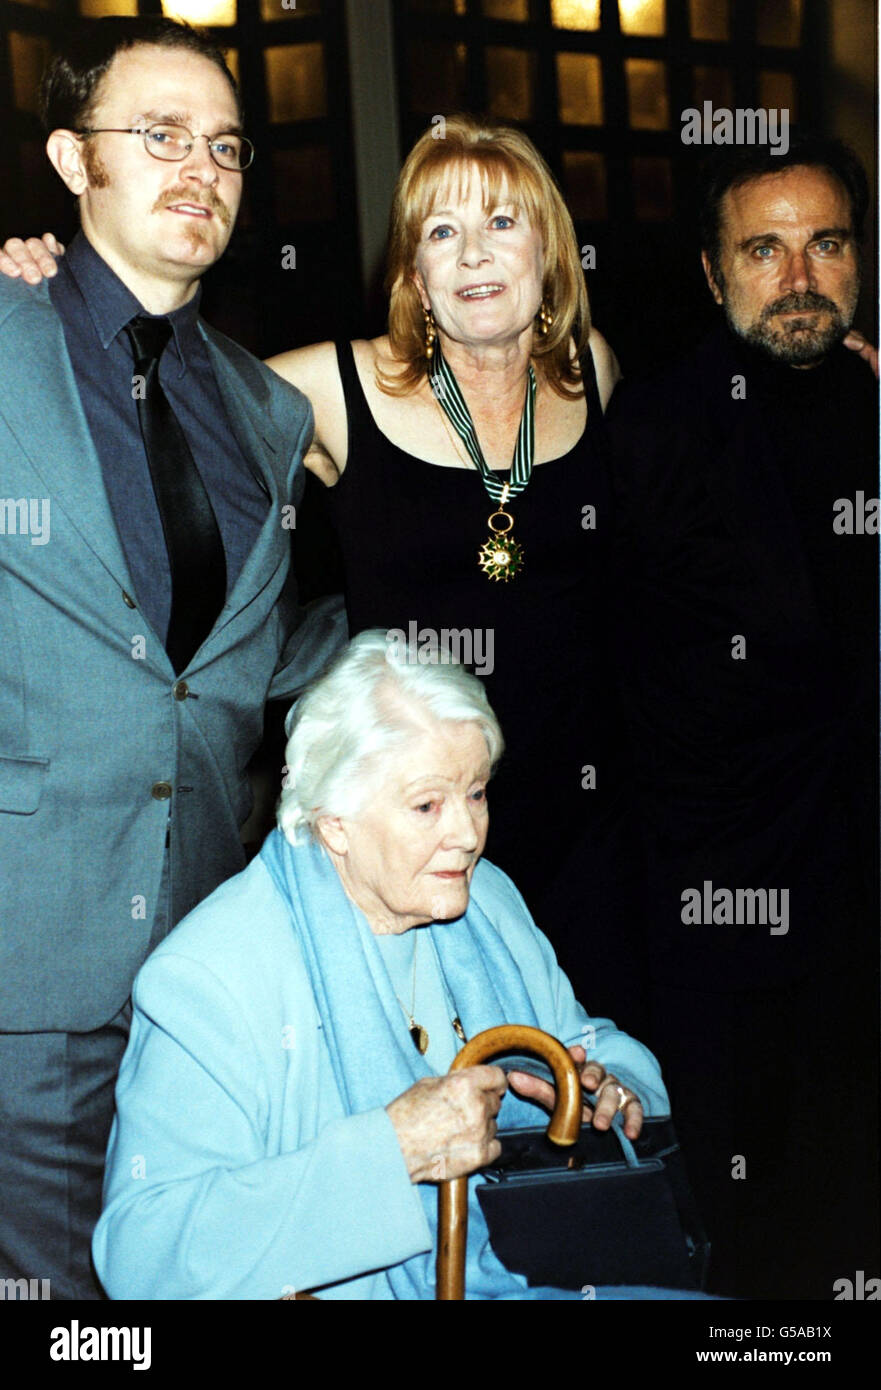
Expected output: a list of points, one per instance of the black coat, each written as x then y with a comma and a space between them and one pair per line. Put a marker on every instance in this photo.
749, 632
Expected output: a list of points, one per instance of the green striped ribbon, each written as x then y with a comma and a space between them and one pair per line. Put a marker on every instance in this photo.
452, 402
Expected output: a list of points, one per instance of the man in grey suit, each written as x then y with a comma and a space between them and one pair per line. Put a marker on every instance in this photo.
149, 468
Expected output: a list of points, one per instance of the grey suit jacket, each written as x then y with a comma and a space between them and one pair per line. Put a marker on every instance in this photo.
92, 716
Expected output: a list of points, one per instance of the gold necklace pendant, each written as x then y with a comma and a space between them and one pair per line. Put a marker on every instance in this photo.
419, 1036
500, 557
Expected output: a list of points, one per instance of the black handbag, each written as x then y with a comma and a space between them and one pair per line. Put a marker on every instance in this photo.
607, 1211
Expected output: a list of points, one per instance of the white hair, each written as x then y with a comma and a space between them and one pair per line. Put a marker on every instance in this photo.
376, 694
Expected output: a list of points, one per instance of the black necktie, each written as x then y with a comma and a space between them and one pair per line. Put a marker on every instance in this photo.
192, 536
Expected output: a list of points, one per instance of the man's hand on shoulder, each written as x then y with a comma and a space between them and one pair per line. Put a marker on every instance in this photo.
32, 260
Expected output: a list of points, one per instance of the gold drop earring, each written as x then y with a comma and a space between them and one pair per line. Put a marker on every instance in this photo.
430, 333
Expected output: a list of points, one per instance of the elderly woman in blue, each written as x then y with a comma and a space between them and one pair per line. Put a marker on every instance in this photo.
284, 1112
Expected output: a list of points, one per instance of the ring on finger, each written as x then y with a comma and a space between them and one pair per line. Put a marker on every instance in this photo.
623, 1098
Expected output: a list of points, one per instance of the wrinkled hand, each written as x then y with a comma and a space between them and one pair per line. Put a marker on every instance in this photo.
860, 345
446, 1125
594, 1077
32, 260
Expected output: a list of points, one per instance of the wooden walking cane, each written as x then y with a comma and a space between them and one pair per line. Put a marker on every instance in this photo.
563, 1129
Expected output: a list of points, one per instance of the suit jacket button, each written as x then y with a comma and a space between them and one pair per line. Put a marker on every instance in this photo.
161, 791
180, 690
128, 600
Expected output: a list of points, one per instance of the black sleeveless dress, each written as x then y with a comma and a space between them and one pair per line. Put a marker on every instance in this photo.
409, 533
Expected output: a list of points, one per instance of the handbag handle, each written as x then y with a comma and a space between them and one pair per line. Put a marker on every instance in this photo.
563, 1129
617, 1128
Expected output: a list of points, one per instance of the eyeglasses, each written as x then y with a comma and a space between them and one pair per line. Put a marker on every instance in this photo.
174, 143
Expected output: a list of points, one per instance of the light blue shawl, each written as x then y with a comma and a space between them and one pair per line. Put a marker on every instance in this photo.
372, 1056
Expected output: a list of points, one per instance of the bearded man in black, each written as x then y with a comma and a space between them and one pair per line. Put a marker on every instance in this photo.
746, 478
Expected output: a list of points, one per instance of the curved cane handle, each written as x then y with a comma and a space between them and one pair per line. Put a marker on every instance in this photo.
563, 1128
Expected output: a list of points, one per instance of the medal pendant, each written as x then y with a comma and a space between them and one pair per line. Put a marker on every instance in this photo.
420, 1038
500, 557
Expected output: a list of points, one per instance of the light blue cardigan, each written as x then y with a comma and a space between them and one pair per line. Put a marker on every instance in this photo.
233, 1170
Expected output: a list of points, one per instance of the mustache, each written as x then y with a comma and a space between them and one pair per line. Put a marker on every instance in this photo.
208, 199
793, 302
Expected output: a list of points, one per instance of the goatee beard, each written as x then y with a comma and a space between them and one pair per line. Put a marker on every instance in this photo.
793, 342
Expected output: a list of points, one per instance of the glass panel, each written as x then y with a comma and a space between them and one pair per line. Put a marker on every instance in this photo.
575, 14
584, 179
506, 9
201, 11
438, 6
779, 22
288, 9
28, 57
437, 76
97, 9
709, 19
580, 87
777, 92
712, 84
295, 82
641, 16
303, 185
647, 94
652, 188
510, 79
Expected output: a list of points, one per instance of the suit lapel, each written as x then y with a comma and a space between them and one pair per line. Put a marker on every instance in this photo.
266, 454
41, 405
251, 422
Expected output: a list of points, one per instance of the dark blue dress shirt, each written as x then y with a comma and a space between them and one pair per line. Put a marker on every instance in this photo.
94, 306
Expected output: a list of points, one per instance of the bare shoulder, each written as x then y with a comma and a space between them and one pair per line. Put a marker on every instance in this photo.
374, 360
367, 352
305, 367
606, 363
